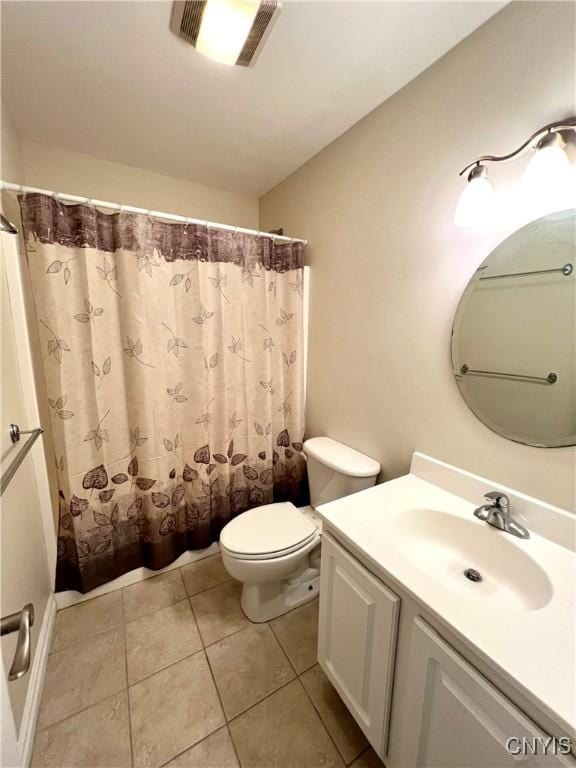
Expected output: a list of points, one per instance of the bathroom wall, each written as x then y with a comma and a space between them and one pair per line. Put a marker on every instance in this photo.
388, 265
11, 166
37, 165
77, 174
24, 571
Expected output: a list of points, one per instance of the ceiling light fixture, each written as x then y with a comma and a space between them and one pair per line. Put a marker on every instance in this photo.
228, 31
548, 180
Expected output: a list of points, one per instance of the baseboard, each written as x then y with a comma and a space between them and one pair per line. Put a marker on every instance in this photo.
70, 597
36, 684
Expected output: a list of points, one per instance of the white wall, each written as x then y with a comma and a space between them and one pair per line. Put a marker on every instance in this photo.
388, 266
76, 174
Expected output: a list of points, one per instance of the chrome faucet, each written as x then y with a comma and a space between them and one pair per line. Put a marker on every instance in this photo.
496, 512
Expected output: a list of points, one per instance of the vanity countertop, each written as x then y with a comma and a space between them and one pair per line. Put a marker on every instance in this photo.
520, 622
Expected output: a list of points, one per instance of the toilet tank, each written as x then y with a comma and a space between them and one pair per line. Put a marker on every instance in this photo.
336, 470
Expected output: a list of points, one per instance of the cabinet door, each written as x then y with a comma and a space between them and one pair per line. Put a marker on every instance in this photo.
357, 639
455, 718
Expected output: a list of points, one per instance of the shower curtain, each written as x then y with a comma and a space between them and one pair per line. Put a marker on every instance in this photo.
173, 362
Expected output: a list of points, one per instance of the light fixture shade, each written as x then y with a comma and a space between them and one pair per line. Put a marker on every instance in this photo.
548, 180
225, 27
475, 208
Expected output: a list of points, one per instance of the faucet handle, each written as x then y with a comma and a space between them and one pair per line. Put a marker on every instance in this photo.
498, 499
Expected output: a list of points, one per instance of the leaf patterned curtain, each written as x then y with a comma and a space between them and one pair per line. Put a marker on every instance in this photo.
174, 370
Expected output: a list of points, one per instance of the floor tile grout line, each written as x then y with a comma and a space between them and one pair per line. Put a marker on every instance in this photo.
163, 669
90, 599
188, 655
256, 703
178, 600
284, 685
184, 658
141, 616
189, 598
196, 743
208, 645
84, 639
130, 741
84, 709
121, 590
166, 605
213, 587
321, 720
271, 693
367, 749
157, 610
224, 724
142, 581
233, 745
317, 710
284, 651
267, 695
216, 687
298, 677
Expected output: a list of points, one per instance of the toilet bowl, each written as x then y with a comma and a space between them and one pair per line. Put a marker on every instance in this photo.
274, 549
268, 549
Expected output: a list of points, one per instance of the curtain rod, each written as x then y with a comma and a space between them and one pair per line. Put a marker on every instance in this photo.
146, 211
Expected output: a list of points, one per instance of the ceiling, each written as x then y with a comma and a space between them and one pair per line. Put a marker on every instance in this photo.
109, 79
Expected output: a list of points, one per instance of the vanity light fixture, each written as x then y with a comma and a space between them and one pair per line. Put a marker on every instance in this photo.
228, 31
549, 168
476, 204
549, 177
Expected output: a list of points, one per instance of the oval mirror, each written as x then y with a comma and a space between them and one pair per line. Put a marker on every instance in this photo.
514, 335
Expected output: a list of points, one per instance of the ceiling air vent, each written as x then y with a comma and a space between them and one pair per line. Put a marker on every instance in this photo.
229, 31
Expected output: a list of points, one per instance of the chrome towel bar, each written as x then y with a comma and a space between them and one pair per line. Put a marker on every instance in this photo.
566, 270
551, 378
15, 433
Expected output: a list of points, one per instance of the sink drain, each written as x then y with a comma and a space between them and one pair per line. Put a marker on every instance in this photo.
473, 575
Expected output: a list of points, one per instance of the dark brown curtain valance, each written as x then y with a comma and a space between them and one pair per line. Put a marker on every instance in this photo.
82, 226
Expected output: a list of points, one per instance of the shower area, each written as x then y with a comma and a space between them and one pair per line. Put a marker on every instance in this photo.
157, 378
173, 363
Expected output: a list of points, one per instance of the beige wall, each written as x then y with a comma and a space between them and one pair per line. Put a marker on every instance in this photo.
388, 266
11, 167
77, 174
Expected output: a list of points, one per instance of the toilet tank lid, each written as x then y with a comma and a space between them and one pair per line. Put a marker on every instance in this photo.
341, 457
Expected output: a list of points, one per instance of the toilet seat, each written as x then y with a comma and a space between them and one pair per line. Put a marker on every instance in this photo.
267, 532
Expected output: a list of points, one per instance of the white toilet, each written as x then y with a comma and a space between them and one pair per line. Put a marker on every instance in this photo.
274, 550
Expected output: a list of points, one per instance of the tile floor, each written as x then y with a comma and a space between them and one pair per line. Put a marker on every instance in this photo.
169, 672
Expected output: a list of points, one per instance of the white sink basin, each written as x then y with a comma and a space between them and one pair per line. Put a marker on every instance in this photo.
419, 536
443, 546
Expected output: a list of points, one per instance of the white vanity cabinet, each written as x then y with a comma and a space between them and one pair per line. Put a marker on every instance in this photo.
457, 718
420, 702
357, 639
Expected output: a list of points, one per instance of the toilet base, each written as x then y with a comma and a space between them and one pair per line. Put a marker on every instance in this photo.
263, 602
